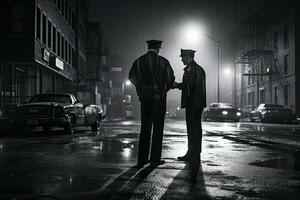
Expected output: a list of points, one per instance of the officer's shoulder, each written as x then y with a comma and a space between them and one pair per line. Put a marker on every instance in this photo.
199, 67
140, 58
163, 58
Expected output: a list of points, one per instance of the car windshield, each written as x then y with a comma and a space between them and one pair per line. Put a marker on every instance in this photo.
273, 106
50, 98
222, 105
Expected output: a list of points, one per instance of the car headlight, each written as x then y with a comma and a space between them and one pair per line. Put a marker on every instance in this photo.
264, 112
238, 114
225, 112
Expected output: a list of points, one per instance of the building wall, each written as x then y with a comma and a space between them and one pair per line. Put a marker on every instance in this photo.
296, 57
39, 47
17, 31
280, 83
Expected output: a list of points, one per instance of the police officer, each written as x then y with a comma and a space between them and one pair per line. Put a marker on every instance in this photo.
193, 99
152, 76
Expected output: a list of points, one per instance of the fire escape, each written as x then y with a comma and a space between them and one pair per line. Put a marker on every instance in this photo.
257, 54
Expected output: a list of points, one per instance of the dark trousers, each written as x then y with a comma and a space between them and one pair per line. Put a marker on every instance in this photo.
152, 117
194, 130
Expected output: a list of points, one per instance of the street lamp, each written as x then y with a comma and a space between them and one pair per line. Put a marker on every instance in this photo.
218, 68
192, 34
127, 83
227, 72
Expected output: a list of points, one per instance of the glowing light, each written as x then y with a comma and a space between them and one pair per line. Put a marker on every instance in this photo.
128, 83
225, 112
126, 153
192, 32
227, 71
125, 141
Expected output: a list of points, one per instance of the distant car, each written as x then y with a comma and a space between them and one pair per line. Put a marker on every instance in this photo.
57, 110
246, 111
176, 113
221, 112
272, 113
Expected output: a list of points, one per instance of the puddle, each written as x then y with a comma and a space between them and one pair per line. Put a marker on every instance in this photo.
280, 163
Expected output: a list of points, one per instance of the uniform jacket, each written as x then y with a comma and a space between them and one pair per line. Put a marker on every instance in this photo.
193, 87
152, 75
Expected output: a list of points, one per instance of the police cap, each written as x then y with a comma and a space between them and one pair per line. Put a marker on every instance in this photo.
154, 44
187, 52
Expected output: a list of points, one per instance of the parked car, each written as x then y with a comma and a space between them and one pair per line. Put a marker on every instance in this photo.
57, 110
221, 112
246, 111
272, 113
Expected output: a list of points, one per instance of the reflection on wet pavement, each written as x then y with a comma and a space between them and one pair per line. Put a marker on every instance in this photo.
100, 166
292, 163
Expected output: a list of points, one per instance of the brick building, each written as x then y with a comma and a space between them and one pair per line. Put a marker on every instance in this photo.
42, 47
267, 57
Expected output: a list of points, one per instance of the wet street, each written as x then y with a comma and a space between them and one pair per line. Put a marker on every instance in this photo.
239, 161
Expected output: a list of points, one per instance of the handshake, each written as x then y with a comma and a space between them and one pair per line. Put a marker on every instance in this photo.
175, 85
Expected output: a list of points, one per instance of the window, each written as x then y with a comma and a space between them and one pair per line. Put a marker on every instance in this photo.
62, 47
276, 95
58, 43
73, 57
66, 51
286, 64
286, 35
17, 18
54, 39
63, 7
49, 42
70, 15
38, 23
249, 77
275, 38
73, 20
44, 29
286, 94
276, 65
249, 98
70, 53
59, 4
261, 95
67, 12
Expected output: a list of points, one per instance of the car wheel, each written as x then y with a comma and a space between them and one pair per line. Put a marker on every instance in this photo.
262, 119
251, 118
69, 127
96, 125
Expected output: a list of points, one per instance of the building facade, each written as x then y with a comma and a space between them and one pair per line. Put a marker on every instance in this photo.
96, 65
266, 64
42, 47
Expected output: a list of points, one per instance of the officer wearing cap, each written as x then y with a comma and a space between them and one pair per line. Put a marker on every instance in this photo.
152, 76
193, 99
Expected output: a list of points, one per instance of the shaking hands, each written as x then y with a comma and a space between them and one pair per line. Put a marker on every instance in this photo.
175, 85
